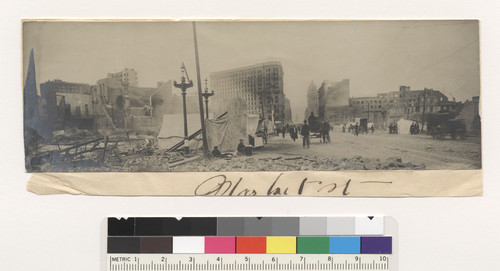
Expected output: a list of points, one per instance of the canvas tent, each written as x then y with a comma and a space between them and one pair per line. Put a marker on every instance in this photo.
172, 130
404, 126
226, 132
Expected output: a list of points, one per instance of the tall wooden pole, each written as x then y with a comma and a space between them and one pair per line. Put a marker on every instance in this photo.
200, 99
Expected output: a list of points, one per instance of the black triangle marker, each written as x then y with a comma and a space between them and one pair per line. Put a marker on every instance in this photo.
370, 217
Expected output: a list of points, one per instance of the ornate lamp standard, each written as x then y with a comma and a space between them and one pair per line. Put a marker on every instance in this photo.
206, 95
184, 86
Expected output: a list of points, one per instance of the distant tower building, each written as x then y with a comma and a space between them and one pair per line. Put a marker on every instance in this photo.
312, 100
127, 76
259, 86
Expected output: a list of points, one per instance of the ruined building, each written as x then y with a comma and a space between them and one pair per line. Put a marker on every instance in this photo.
334, 101
132, 108
66, 105
330, 102
126, 76
259, 87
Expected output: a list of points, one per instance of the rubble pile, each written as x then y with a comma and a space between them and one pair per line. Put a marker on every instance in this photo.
298, 163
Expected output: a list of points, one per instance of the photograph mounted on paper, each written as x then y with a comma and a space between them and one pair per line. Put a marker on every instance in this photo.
251, 96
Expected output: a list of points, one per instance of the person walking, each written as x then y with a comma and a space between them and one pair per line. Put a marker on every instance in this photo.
304, 132
325, 131
293, 132
356, 129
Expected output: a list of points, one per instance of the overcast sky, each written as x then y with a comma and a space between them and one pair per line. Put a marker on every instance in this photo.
376, 56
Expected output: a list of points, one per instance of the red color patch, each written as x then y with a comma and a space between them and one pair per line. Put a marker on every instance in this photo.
252, 244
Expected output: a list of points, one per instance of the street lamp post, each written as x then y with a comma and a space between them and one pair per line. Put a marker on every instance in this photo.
184, 86
206, 95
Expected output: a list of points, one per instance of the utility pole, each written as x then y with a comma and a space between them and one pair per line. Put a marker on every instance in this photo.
368, 118
200, 98
423, 110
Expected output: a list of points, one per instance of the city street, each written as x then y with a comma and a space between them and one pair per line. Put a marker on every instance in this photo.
417, 149
378, 151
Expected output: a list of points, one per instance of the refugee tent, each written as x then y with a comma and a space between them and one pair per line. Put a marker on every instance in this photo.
404, 126
226, 132
252, 124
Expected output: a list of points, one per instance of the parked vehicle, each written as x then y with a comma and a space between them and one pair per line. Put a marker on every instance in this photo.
455, 128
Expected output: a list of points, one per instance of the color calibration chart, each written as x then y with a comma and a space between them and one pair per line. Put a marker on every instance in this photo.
251, 243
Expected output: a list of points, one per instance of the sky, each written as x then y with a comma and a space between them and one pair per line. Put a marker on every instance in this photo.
376, 56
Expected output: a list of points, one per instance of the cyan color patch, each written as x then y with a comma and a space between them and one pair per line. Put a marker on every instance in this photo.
345, 245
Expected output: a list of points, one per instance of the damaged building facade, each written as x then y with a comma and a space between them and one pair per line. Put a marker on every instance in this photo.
129, 107
332, 103
113, 103
258, 88
65, 104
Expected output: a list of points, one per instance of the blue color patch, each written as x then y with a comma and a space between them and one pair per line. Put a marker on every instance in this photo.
345, 245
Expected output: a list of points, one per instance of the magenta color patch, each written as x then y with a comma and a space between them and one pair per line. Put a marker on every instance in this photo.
220, 244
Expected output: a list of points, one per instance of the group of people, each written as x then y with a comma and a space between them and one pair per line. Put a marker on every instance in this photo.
240, 150
324, 131
414, 128
290, 129
304, 130
393, 128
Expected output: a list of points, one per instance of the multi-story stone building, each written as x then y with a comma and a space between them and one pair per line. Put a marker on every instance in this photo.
127, 76
258, 87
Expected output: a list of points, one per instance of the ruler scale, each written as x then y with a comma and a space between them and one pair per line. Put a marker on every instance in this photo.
251, 244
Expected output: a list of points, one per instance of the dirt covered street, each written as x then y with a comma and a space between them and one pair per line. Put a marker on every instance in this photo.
417, 149
377, 151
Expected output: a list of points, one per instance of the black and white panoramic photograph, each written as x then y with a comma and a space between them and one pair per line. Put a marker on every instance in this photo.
247, 96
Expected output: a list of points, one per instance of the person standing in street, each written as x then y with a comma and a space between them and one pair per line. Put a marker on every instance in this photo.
304, 132
325, 132
293, 132
356, 129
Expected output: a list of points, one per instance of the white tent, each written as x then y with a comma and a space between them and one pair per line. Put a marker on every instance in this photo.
226, 132
404, 126
172, 130
173, 125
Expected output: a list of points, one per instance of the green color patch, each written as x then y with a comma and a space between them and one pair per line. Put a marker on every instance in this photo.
313, 245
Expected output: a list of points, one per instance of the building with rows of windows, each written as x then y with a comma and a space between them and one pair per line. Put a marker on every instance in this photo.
256, 89
382, 109
405, 103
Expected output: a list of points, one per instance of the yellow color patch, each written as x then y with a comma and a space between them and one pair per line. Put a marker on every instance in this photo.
281, 245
